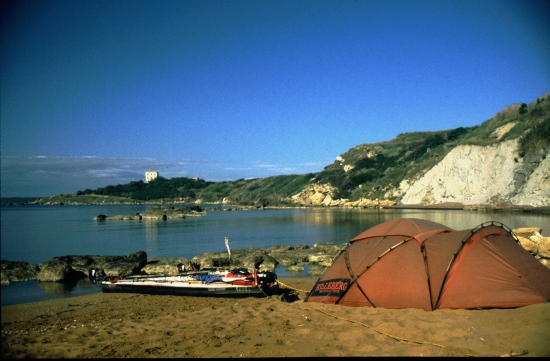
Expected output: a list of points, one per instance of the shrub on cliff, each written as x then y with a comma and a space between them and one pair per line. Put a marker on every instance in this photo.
537, 138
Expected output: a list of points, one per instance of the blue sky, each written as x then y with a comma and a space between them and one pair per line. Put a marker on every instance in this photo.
97, 92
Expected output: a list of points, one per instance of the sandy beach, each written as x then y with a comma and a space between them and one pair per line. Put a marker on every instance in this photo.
132, 325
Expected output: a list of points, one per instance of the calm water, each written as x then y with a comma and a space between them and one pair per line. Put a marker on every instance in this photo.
36, 234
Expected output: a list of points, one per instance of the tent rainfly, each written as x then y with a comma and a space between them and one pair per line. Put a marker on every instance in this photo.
416, 263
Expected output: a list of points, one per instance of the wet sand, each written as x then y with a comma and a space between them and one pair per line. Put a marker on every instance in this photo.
132, 325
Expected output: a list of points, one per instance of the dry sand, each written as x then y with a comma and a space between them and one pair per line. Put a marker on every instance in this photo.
133, 325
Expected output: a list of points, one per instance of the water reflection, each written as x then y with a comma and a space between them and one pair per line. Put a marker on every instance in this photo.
456, 219
151, 235
59, 288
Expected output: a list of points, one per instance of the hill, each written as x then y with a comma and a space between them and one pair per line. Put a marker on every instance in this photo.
502, 162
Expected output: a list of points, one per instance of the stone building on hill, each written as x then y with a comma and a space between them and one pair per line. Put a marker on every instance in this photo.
150, 175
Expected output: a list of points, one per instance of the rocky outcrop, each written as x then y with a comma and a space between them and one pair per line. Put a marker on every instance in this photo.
156, 213
73, 268
165, 266
102, 217
293, 258
314, 194
483, 175
252, 258
18, 271
120, 265
323, 195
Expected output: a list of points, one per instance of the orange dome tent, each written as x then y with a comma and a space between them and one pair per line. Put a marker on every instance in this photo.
416, 263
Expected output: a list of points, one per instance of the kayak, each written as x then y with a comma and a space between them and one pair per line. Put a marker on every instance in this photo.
233, 283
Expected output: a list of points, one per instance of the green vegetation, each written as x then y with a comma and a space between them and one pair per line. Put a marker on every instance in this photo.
158, 188
270, 190
537, 138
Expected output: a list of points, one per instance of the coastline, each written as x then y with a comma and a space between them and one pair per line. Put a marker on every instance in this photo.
237, 207
133, 325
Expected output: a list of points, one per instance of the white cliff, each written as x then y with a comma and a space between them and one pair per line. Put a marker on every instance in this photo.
481, 175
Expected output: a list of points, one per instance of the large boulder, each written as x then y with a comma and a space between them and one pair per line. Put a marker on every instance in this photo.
53, 271
65, 268
17, 272
526, 231
121, 266
317, 198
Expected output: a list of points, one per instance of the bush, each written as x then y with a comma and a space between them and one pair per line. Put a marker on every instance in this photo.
456, 133
537, 138
522, 108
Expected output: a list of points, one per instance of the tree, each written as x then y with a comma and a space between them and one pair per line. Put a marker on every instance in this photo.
523, 109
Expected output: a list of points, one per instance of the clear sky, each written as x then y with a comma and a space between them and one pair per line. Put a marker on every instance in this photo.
98, 92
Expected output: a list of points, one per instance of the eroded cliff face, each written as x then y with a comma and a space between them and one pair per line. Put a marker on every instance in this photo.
483, 175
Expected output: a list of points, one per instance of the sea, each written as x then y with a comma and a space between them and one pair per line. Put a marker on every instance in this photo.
37, 233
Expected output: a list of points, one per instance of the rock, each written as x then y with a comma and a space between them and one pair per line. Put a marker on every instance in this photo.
528, 245
65, 269
135, 216
268, 263
164, 266
526, 231
102, 217
329, 248
286, 256
321, 258
252, 258
387, 203
73, 268
171, 212
327, 200
316, 198
123, 266
313, 194
156, 213
211, 260
53, 271
545, 262
18, 271
294, 269
544, 247
155, 216
316, 270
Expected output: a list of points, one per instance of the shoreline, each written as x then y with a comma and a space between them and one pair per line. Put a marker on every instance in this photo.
441, 206
134, 325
